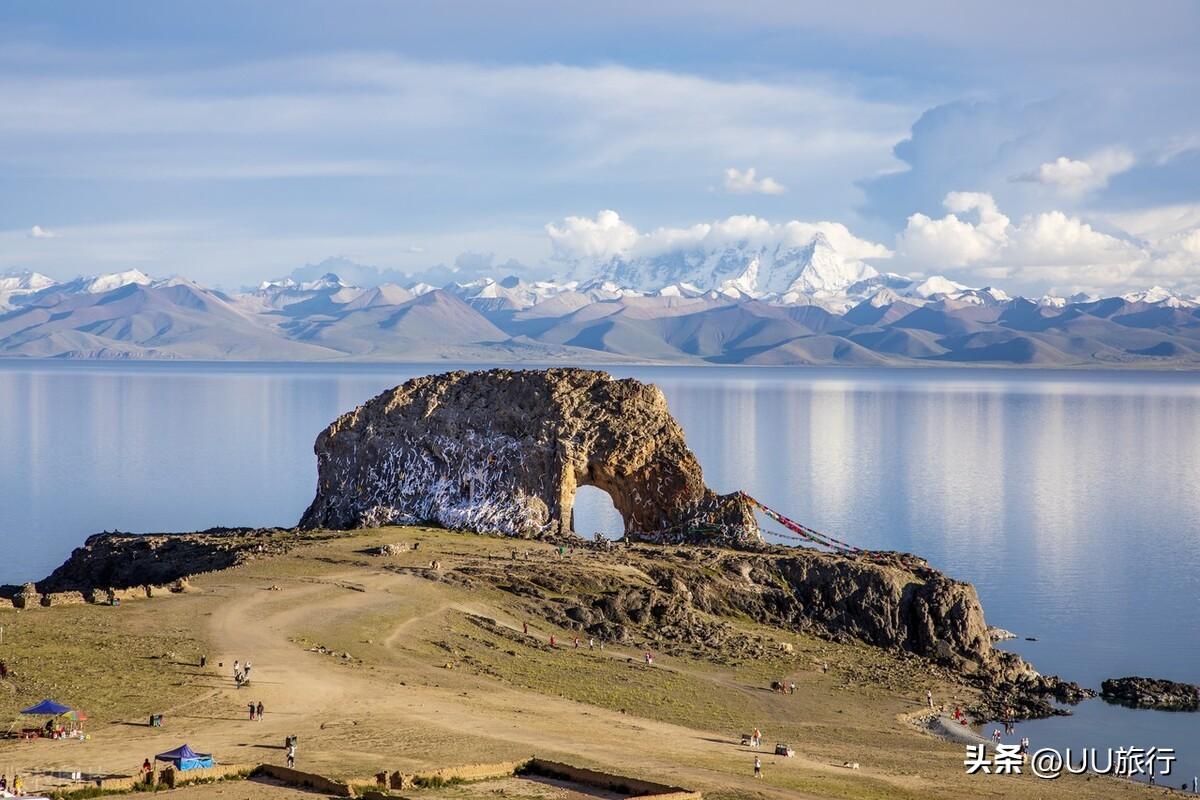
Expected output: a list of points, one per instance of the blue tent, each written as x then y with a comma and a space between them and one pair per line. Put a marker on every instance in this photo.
185, 758
46, 708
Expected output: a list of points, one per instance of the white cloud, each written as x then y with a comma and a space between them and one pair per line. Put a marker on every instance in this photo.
951, 241
38, 232
1070, 176
738, 182
599, 239
1050, 248
608, 236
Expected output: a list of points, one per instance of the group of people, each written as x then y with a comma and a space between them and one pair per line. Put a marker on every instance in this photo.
18, 785
241, 674
256, 711
576, 642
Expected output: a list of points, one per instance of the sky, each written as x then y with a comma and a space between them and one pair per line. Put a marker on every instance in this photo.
1043, 146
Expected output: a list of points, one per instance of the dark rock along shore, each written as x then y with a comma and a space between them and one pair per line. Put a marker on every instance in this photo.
1138, 692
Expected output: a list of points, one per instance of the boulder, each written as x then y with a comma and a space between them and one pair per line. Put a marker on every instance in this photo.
504, 451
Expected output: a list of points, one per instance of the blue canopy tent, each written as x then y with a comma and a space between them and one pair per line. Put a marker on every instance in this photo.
185, 758
46, 708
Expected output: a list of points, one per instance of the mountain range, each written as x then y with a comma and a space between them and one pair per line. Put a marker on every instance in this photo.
794, 305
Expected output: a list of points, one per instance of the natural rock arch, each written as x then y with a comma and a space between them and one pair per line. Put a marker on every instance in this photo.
505, 451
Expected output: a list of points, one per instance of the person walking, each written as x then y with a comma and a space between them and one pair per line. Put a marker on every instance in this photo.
259, 711
591, 643
525, 627
253, 711
929, 697
792, 687
291, 755
246, 673
757, 767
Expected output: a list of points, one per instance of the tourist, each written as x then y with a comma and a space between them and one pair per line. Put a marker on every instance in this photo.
203, 661
253, 712
552, 640
576, 642
3, 782
929, 697
525, 627
591, 643
246, 673
792, 687
237, 670
291, 755
18, 785
147, 770
996, 735
757, 767
756, 738
259, 711
649, 659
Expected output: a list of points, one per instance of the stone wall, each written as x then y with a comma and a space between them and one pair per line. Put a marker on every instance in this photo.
634, 787
311, 780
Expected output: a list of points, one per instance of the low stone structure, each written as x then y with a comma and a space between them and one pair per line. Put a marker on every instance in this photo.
504, 451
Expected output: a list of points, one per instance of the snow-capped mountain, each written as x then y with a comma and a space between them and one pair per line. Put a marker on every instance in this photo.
783, 271
1159, 295
19, 284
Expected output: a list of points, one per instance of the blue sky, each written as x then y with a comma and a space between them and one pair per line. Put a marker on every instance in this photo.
1038, 146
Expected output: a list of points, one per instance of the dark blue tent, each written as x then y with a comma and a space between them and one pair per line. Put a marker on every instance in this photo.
185, 758
46, 708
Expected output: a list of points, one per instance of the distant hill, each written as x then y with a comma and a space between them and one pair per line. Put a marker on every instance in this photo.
871, 319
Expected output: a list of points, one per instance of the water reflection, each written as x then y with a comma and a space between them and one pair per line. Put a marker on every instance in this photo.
1069, 500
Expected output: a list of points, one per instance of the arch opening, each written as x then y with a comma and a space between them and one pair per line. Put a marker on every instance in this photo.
594, 512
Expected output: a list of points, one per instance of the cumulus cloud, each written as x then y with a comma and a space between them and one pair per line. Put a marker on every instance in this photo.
738, 182
598, 239
1070, 176
953, 241
580, 239
1047, 249
38, 232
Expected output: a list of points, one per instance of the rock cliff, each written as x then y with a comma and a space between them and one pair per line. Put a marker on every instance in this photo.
504, 451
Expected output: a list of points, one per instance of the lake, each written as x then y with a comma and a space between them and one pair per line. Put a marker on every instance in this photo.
1071, 500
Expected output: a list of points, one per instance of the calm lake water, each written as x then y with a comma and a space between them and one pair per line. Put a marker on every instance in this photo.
1070, 500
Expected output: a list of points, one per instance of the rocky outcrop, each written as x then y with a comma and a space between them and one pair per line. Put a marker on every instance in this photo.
125, 560
1138, 692
504, 451
891, 601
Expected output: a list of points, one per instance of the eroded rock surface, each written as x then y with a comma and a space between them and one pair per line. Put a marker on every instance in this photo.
504, 451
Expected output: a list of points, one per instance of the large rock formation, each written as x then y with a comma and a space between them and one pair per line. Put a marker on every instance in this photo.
504, 451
